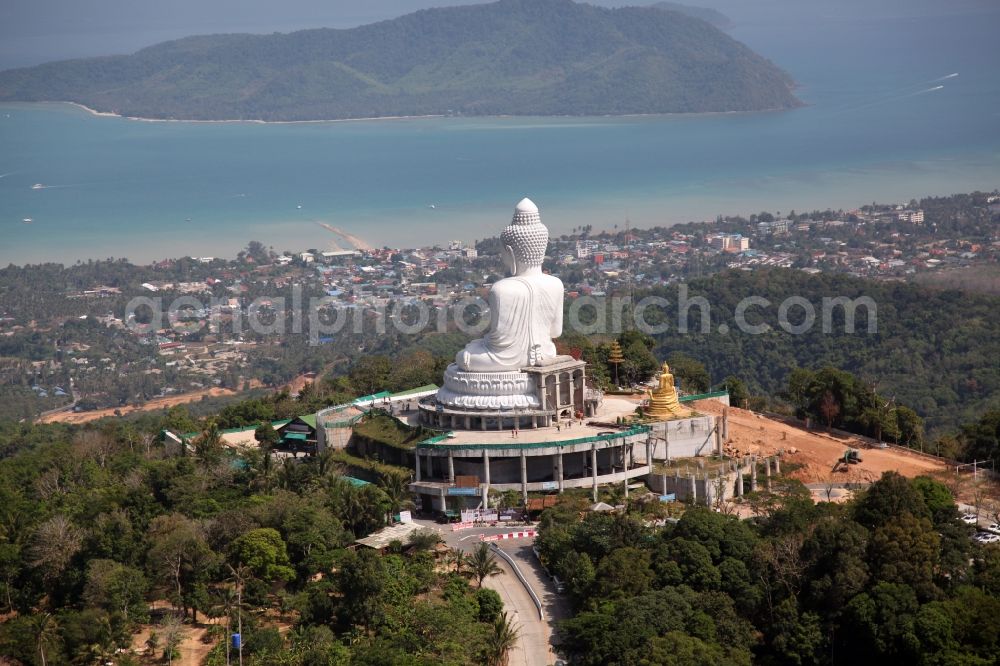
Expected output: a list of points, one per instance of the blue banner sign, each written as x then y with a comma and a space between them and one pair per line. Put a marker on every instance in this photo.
463, 491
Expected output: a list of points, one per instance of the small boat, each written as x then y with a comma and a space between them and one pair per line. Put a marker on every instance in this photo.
27, 220
299, 206
187, 219
431, 206
38, 186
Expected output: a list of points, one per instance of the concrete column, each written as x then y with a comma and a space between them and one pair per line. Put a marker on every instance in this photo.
649, 454
541, 391
666, 442
524, 477
627, 459
739, 480
451, 466
534, 420
482, 422
559, 466
694, 489
486, 496
767, 473
777, 465
486, 467
416, 457
725, 424
718, 439
753, 473
593, 470
468, 422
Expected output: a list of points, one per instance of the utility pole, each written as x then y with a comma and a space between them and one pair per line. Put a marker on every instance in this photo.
628, 276
238, 574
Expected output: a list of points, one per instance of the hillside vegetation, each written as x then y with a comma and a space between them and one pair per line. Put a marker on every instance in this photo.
933, 350
716, 18
522, 57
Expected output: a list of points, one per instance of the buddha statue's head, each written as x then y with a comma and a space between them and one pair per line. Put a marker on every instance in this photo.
524, 239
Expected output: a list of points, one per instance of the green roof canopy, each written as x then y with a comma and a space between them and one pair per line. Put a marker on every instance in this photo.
357, 482
419, 389
301, 436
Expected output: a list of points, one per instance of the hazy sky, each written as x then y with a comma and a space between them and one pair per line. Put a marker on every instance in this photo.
34, 31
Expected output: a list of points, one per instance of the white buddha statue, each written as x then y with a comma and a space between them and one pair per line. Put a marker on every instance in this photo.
525, 309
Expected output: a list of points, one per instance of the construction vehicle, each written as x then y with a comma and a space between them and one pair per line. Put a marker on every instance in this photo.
850, 457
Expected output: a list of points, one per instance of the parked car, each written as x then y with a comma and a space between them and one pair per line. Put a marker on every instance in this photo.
993, 527
970, 519
560, 586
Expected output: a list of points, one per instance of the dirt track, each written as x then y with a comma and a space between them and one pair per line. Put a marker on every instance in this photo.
152, 405
816, 451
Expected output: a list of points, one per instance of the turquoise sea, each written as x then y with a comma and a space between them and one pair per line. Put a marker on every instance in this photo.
877, 127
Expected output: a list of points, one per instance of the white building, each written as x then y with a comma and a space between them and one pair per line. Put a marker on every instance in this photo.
911, 216
730, 242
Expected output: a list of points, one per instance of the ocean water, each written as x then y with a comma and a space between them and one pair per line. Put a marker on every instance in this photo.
878, 126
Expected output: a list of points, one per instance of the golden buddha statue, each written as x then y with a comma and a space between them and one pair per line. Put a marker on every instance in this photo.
663, 402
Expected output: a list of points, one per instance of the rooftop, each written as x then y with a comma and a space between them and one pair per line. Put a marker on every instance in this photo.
610, 410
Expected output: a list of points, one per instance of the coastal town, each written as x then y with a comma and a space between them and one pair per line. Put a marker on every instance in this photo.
947, 241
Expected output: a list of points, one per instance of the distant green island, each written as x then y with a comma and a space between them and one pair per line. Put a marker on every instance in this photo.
512, 57
716, 18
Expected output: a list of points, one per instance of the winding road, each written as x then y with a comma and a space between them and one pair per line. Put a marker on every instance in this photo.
535, 634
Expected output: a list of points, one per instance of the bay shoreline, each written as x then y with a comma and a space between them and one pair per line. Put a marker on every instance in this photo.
694, 114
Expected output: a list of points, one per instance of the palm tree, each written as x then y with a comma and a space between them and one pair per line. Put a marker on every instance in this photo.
46, 632
501, 641
457, 557
224, 602
394, 487
325, 464
208, 445
482, 563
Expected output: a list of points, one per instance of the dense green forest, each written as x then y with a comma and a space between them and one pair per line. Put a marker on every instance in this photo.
935, 351
890, 578
520, 57
97, 522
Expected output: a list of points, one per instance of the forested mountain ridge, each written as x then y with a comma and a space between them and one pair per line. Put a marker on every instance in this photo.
519, 57
715, 17
933, 350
